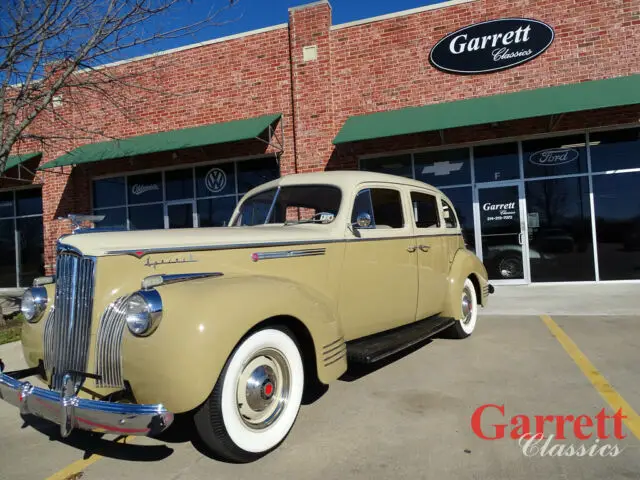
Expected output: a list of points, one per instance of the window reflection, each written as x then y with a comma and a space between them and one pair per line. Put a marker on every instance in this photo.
393, 165
216, 212
462, 202
178, 184
494, 163
109, 192
617, 207
8, 256
615, 150
146, 217
560, 239
31, 243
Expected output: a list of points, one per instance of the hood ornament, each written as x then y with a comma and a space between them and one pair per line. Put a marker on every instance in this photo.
77, 221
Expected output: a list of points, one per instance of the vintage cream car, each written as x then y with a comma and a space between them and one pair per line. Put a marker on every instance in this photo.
315, 272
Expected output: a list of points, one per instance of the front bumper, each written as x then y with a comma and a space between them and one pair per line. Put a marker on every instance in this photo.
70, 412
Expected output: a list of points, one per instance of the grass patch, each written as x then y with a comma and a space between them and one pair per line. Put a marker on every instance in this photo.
10, 332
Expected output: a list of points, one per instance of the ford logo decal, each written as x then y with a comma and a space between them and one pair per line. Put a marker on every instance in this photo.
491, 46
554, 156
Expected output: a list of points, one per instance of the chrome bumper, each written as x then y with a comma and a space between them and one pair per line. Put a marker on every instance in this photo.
70, 411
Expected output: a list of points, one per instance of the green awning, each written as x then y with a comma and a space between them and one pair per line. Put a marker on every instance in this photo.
216, 133
575, 97
15, 160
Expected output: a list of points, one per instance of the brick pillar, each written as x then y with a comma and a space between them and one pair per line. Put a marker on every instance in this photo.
310, 50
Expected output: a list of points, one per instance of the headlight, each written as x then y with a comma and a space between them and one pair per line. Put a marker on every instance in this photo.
34, 301
143, 311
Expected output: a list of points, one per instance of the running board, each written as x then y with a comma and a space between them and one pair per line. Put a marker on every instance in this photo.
380, 345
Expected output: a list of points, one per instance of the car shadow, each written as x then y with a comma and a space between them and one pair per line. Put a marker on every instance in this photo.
357, 371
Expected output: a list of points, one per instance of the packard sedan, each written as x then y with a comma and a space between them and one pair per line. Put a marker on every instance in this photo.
314, 272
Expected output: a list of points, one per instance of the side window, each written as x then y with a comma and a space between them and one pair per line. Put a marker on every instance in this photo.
449, 215
425, 210
383, 204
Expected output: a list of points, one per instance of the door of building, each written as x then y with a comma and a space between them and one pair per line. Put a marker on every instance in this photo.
180, 214
501, 231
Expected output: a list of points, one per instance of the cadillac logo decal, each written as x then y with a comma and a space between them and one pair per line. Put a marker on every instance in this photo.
491, 46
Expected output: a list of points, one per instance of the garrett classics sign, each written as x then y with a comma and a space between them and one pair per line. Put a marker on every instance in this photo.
491, 46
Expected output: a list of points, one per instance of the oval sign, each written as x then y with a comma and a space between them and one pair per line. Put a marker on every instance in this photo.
554, 156
491, 46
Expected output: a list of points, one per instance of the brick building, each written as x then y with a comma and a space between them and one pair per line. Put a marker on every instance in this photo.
541, 158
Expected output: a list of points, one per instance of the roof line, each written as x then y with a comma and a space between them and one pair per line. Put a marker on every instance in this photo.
187, 47
403, 13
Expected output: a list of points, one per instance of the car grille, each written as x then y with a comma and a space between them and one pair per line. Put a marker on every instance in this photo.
109, 343
68, 330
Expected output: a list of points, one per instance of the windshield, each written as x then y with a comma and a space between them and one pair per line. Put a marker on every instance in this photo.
289, 205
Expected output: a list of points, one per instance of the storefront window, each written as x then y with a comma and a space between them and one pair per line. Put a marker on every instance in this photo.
560, 238
617, 207
216, 212
462, 200
616, 150
493, 163
109, 192
113, 218
394, 165
21, 230
216, 180
146, 188
443, 168
554, 156
252, 173
146, 217
178, 184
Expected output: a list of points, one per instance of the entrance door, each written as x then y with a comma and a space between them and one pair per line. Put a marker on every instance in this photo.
180, 214
503, 240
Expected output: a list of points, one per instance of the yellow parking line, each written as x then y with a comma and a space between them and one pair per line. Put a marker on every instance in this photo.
604, 388
72, 470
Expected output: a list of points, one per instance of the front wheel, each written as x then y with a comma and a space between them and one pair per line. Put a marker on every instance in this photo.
256, 399
464, 326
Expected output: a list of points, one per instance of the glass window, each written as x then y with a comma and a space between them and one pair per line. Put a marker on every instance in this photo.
425, 210
113, 218
216, 180
145, 188
7, 254
252, 173
617, 209
387, 208
554, 156
560, 239
444, 167
28, 202
449, 215
494, 163
178, 184
216, 212
146, 217
109, 192
31, 246
462, 200
394, 165
6, 204
615, 150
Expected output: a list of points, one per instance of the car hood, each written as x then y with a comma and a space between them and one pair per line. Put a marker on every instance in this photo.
110, 243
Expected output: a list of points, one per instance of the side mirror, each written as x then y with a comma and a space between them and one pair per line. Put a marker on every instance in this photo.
363, 220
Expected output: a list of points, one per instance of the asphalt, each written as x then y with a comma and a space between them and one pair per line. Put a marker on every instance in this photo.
408, 418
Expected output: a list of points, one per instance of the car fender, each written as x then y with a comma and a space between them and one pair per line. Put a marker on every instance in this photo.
203, 321
465, 265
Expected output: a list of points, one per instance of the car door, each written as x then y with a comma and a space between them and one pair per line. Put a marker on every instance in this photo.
380, 280
431, 251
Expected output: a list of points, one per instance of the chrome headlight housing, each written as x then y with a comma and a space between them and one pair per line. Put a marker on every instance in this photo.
34, 301
143, 312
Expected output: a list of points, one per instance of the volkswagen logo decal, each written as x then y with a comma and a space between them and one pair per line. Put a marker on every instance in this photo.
216, 180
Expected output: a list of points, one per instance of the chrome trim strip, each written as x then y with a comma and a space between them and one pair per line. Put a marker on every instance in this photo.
48, 343
140, 253
288, 254
157, 280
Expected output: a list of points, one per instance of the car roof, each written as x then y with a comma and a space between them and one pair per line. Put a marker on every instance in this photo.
345, 179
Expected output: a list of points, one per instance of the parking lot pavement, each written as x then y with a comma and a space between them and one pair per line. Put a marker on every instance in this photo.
410, 418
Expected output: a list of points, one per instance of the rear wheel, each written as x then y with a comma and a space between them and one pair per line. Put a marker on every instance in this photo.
257, 397
464, 326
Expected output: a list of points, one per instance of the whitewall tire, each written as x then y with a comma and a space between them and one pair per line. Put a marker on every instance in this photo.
464, 326
257, 398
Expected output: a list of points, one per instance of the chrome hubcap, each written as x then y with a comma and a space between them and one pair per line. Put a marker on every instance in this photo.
467, 306
263, 389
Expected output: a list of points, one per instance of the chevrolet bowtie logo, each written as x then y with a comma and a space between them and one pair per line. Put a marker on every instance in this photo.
442, 168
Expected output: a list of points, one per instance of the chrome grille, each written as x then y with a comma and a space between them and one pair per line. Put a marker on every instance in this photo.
70, 330
109, 342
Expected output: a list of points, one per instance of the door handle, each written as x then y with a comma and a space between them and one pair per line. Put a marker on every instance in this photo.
520, 238
411, 249
424, 248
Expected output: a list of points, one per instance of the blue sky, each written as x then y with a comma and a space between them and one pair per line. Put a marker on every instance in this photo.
253, 14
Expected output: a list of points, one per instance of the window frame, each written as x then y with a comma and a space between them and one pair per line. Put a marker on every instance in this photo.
406, 228
422, 231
